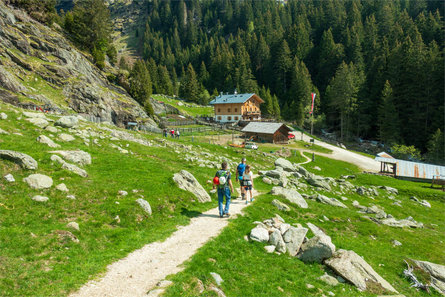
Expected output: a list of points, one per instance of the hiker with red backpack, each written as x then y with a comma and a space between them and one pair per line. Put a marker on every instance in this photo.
224, 185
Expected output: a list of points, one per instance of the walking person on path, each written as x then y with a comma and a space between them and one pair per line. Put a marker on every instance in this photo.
177, 134
224, 184
239, 176
247, 182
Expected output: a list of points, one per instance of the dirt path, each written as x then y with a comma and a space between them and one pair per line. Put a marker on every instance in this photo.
141, 271
338, 153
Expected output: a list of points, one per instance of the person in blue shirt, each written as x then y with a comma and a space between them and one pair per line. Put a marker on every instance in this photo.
239, 176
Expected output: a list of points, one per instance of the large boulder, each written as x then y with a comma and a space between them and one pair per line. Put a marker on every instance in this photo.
10, 82
303, 171
285, 164
67, 122
291, 195
48, 141
186, 181
392, 222
39, 181
330, 201
353, 268
259, 234
41, 123
294, 238
25, 161
317, 249
78, 156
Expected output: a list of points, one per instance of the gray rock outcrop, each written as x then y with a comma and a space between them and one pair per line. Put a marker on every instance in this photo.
330, 201
436, 272
186, 181
66, 137
318, 182
24, 160
41, 123
353, 268
291, 195
39, 181
9, 178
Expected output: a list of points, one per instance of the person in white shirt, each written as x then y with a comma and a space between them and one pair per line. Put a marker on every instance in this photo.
248, 183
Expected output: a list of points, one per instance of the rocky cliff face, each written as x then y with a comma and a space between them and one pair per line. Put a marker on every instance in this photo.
39, 66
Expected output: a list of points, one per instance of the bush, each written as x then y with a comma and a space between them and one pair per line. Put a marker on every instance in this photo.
400, 151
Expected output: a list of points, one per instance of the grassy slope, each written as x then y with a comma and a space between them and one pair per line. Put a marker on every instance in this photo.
193, 110
248, 270
34, 261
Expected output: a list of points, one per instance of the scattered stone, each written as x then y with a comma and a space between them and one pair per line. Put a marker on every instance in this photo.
145, 205
259, 234
66, 137
392, 222
285, 164
318, 182
39, 181
309, 287
330, 280
67, 122
70, 167
52, 129
73, 225
436, 272
277, 240
218, 279
270, 248
34, 115
122, 193
317, 168
41, 123
284, 227
3, 132
3, 116
330, 201
396, 243
353, 268
329, 292
317, 249
317, 231
294, 238
421, 202
39, 198
186, 181
78, 156
9, 178
267, 180
62, 187
218, 291
66, 235
25, 161
48, 141
390, 189
291, 195
280, 205
72, 197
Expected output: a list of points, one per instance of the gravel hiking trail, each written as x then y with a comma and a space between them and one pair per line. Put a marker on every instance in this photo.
338, 153
139, 273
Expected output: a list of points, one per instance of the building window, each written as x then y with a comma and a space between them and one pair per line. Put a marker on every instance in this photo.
219, 109
236, 109
228, 109
229, 118
219, 118
236, 118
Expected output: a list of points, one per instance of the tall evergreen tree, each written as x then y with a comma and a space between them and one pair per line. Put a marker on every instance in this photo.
190, 87
389, 128
140, 85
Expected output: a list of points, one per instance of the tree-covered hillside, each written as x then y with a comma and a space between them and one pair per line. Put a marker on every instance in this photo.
373, 64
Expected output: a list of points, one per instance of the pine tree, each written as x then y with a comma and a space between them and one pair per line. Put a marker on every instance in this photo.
389, 128
282, 66
299, 93
436, 148
190, 87
140, 84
